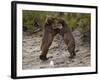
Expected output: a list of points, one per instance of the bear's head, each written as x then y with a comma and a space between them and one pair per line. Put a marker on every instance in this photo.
54, 22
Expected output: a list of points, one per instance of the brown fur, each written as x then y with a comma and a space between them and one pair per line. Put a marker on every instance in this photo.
50, 30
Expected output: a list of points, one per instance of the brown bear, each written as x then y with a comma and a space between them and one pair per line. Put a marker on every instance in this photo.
52, 27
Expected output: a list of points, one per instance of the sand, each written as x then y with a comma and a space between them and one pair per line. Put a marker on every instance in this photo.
58, 53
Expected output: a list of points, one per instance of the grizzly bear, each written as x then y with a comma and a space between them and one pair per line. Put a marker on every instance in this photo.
52, 27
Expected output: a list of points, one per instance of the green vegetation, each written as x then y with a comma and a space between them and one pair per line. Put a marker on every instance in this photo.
81, 21
74, 20
30, 16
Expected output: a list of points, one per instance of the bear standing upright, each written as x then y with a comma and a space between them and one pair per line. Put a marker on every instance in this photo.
52, 27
